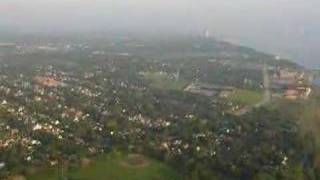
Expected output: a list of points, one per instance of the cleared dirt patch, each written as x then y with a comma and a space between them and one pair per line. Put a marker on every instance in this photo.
135, 161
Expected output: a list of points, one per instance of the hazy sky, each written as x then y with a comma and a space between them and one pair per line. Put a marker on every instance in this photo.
288, 27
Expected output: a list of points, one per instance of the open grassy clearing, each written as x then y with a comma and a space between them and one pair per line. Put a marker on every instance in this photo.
245, 97
114, 166
163, 81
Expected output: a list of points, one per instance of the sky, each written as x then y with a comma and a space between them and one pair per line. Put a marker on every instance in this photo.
288, 28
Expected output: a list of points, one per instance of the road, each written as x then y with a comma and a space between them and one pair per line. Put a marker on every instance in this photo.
266, 84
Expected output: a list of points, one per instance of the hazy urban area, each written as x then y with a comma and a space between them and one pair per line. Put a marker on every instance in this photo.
159, 90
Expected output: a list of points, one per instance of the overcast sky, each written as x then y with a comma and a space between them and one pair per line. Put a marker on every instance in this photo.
288, 27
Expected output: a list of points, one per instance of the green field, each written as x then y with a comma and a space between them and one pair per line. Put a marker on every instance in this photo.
114, 166
245, 97
163, 81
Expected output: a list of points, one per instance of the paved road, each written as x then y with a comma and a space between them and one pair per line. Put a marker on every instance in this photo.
266, 84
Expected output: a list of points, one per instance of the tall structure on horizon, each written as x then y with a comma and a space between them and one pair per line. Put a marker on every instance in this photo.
177, 75
207, 34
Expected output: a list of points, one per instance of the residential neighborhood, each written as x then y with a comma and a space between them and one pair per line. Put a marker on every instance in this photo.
63, 104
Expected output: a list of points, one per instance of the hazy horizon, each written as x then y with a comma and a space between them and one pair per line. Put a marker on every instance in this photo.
285, 27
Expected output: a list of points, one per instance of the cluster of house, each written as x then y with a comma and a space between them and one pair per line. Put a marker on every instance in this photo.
21, 97
47, 81
22, 48
175, 144
40, 102
290, 84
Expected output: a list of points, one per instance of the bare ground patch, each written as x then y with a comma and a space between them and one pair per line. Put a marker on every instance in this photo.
135, 161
